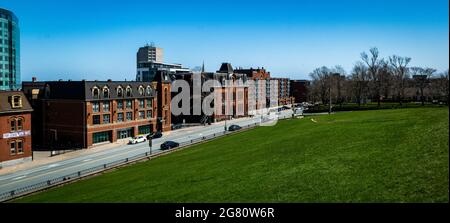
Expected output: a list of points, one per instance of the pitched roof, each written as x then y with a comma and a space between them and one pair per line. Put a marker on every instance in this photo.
226, 68
6, 106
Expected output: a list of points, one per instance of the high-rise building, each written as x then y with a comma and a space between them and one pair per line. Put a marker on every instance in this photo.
150, 53
9, 51
150, 60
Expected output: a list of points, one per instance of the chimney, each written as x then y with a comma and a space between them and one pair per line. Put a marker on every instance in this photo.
33, 79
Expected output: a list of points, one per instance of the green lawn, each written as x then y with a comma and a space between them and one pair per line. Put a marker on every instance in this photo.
398, 155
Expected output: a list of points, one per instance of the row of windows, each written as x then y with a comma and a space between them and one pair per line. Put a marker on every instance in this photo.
120, 91
143, 103
16, 147
121, 117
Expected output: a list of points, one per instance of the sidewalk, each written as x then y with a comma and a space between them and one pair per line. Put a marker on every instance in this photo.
43, 157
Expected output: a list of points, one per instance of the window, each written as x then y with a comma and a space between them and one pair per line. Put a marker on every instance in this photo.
105, 92
149, 114
141, 90
95, 107
149, 90
19, 124
19, 145
141, 115
16, 101
129, 116
119, 92
149, 103
13, 125
120, 104
141, 103
12, 146
120, 117
129, 104
96, 119
106, 119
105, 106
129, 92
95, 93
166, 95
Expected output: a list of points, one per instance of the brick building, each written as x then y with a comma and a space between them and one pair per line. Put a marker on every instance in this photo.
15, 128
284, 91
261, 91
80, 114
299, 90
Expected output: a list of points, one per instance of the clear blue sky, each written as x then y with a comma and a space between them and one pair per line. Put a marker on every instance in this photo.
98, 39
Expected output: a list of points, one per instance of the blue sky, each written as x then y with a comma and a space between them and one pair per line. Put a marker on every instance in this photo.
98, 39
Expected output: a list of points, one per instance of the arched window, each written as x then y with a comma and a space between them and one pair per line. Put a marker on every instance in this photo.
129, 91
19, 124
105, 92
141, 90
149, 90
119, 92
95, 92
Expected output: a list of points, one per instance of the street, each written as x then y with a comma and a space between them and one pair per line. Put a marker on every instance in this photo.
42, 173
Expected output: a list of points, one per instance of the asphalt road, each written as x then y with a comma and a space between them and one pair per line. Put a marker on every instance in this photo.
38, 174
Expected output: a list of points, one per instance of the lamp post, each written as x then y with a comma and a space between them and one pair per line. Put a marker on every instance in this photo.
150, 144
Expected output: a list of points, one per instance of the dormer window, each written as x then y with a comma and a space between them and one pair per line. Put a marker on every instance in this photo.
119, 92
128, 91
16, 101
105, 92
95, 93
141, 90
149, 90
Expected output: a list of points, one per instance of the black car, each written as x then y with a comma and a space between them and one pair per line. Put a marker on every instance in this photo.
169, 145
155, 135
176, 126
234, 128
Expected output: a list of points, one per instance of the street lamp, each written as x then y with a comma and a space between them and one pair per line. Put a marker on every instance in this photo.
150, 144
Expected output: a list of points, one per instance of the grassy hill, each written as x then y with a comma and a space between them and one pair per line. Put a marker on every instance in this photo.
367, 156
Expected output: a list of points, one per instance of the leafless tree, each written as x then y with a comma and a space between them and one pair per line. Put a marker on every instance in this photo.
421, 77
374, 64
320, 83
399, 67
360, 79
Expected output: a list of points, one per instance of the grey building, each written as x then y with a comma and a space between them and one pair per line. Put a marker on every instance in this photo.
9, 51
149, 62
150, 53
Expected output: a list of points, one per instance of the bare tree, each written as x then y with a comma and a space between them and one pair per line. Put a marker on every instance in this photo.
320, 83
440, 86
360, 79
374, 64
421, 77
399, 67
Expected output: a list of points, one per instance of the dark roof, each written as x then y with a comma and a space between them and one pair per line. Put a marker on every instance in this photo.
83, 90
5, 104
225, 68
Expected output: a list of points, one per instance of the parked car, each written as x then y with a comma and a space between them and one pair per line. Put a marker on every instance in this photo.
137, 139
176, 126
234, 127
155, 135
169, 145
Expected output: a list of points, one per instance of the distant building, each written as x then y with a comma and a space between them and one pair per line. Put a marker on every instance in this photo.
80, 114
15, 128
284, 91
150, 54
299, 90
261, 93
150, 60
9, 51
